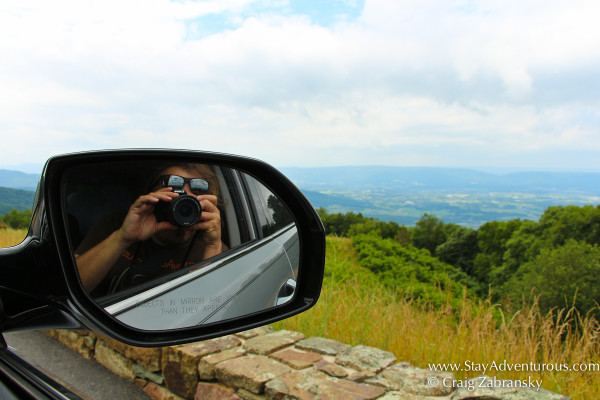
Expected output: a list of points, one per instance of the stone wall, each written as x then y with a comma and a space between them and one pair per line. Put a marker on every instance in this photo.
266, 364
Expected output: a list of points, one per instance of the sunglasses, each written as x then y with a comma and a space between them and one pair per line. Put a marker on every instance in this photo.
198, 185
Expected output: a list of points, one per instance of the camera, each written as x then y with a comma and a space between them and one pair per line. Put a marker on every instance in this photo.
184, 210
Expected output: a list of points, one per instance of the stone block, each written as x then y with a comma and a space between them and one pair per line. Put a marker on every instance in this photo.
160, 393
331, 369
485, 387
215, 391
361, 376
148, 357
206, 366
297, 359
261, 330
246, 395
272, 342
180, 363
114, 361
407, 396
323, 346
417, 381
75, 340
366, 358
308, 385
249, 372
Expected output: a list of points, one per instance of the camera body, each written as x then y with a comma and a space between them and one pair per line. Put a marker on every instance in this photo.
184, 210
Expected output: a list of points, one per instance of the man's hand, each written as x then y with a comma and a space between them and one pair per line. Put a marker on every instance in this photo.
140, 222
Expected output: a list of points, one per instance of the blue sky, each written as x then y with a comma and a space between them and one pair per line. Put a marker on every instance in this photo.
496, 85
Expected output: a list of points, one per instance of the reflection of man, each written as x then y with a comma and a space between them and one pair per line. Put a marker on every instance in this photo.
121, 252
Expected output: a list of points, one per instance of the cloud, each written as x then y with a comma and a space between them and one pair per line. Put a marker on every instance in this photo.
403, 82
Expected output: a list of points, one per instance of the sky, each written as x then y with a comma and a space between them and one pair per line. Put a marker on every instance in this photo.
499, 84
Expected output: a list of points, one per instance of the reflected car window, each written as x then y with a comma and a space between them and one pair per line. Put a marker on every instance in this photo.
271, 213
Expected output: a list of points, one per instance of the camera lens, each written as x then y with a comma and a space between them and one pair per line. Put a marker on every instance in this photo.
186, 210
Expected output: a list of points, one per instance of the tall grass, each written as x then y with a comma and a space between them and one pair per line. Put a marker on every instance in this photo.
10, 237
358, 310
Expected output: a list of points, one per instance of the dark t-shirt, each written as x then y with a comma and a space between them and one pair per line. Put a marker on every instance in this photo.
140, 262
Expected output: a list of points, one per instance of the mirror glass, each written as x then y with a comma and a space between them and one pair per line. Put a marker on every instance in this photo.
167, 245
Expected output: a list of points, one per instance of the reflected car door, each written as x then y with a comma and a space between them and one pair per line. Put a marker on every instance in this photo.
228, 288
274, 225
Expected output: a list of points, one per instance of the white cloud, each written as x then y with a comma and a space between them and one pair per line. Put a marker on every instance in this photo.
407, 82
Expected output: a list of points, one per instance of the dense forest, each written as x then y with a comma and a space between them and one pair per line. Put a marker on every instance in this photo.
554, 261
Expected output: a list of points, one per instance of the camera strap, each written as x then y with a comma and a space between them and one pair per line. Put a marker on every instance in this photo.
138, 273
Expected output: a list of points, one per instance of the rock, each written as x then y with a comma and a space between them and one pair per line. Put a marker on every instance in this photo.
206, 366
249, 372
114, 361
331, 369
216, 391
297, 359
492, 388
308, 385
159, 393
323, 346
417, 381
246, 395
148, 357
262, 330
141, 372
408, 396
180, 363
361, 376
82, 342
267, 344
366, 358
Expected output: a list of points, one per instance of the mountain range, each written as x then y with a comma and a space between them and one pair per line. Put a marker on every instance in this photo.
418, 179
403, 194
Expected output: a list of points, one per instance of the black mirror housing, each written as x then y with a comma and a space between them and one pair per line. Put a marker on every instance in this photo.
41, 287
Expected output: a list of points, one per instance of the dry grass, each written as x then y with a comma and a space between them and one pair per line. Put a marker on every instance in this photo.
10, 237
357, 313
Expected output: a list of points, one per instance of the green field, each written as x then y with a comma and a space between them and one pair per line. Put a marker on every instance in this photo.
469, 209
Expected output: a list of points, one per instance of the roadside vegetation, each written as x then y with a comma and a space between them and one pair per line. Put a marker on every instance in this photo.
357, 308
10, 237
13, 227
516, 291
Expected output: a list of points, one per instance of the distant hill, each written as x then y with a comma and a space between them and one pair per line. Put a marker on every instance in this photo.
462, 196
332, 201
17, 190
15, 199
403, 194
415, 179
18, 180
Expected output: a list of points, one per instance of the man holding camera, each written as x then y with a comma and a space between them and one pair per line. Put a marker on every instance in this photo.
175, 225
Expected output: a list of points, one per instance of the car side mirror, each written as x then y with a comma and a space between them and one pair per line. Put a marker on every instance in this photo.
157, 247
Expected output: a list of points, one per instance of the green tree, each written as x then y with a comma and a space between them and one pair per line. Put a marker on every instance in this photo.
339, 224
430, 232
16, 219
523, 245
556, 226
560, 223
559, 276
411, 271
460, 249
385, 230
491, 245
